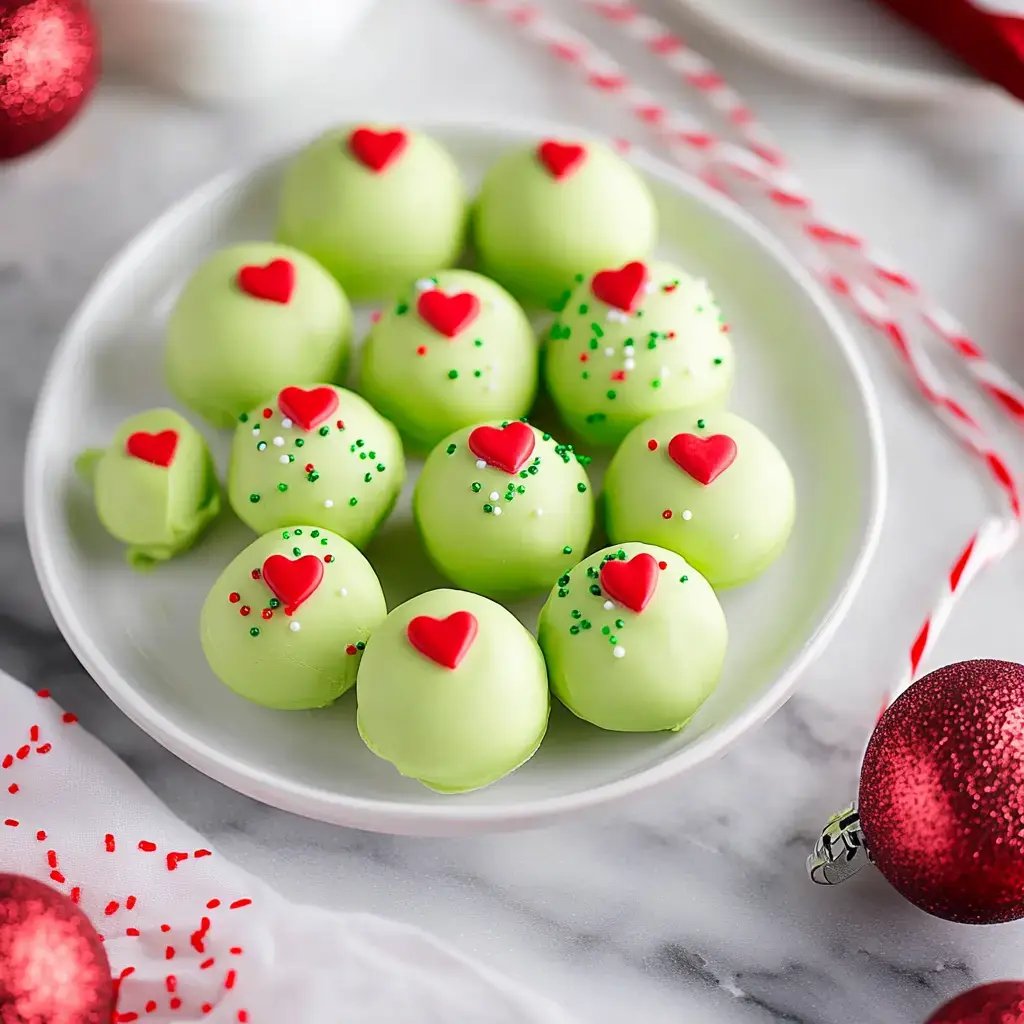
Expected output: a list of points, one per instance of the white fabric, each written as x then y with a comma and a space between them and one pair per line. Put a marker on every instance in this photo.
1013, 8
73, 800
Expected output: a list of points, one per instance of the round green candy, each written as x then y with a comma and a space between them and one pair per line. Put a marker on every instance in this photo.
609, 368
376, 206
543, 217
453, 350
504, 510
287, 630
249, 321
637, 646
316, 454
712, 488
155, 486
452, 691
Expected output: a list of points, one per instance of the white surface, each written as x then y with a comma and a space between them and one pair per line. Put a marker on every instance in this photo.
854, 44
800, 378
267, 961
688, 905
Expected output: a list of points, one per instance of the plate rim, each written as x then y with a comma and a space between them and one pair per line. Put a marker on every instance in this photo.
447, 819
838, 70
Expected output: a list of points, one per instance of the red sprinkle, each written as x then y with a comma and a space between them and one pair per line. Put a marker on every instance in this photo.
229, 980
351, 649
207, 1007
108, 841
175, 1003
45, 748
422, 350
111, 908
309, 467
243, 1017
667, 514
68, 718
340, 424
43, 693
234, 597
267, 413
206, 964
240, 903
169, 953
133, 932
23, 752
76, 894
267, 613
130, 903
171, 982
174, 859
652, 445
255, 574
244, 610
51, 858
202, 853
235, 950
58, 877
213, 904
165, 927
328, 558
584, 357
146, 846
151, 1006
725, 328
124, 1018
33, 734
618, 375
8, 761
41, 835
12, 788
663, 565
670, 334
14, 823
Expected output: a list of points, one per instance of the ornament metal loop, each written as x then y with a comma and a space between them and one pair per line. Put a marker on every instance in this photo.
840, 851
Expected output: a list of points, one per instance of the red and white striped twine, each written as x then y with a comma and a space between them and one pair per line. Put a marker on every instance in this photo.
842, 260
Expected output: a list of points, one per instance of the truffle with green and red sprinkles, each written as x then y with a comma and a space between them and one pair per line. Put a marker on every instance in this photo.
316, 454
503, 508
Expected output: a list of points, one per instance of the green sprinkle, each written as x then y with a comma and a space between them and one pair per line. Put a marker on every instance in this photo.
360, 442
683, 579
297, 532
244, 418
367, 478
567, 550
622, 555
353, 501
254, 498
291, 458
717, 361
475, 486
563, 593
700, 424
593, 573
362, 455
324, 541
401, 309
532, 470
593, 344
563, 580
261, 446
653, 343
381, 467
574, 630
299, 442
545, 437
361, 646
583, 309
609, 394
477, 373
613, 640
584, 460
254, 631
655, 383
520, 489
619, 623
578, 278
700, 309
596, 417
576, 613
559, 304
324, 431
523, 474
488, 507
606, 630
597, 329
585, 375
453, 374
479, 342
282, 488
314, 533
595, 590
581, 488
585, 624
373, 455
451, 449
313, 477
639, 312
296, 552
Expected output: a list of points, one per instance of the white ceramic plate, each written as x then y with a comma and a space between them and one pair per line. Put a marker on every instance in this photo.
856, 45
800, 378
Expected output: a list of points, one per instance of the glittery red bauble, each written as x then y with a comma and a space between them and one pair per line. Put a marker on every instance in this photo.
942, 793
49, 60
53, 969
1002, 1002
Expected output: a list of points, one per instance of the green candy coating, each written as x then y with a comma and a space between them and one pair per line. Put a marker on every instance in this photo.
670, 654
534, 232
227, 350
341, 464
374, 231
453, 729
428, 384
730, 530
516, 534
691, 368
281, 667
158, 511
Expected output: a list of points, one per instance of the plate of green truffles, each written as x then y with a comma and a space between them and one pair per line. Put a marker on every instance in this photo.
444, 479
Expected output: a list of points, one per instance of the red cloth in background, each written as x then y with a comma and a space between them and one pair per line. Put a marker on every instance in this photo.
991, 43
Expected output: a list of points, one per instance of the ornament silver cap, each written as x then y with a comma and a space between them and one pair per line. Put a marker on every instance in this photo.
840, 851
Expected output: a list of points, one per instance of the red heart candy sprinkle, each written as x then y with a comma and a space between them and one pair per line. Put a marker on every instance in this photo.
703, 458
631, 583
308, 408
561, 158
377, 150
293, 581
622, 288
448, 314
444, 641
274, 282
158, 449
505, 448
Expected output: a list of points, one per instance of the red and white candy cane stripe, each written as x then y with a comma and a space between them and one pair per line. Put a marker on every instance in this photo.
684, 137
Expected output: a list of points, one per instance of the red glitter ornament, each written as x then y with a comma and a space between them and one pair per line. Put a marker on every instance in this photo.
1001, 1002
53, 969
942, 793
49, 60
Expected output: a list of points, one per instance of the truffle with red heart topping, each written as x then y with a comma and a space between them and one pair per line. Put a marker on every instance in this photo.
377, 205
452, 690
711, 487
286, 623
634, 639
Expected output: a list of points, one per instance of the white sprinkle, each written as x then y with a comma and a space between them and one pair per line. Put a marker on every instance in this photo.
279, 441
283, 459
424, 284
618, 316
328, 503
650, 287
687, 514
619, 651
664, 372
609, 351
286, 423
294, 627
343, 592
629, 351
480, 464
629, 364
494, 495
609, 605
497, 510
255, 431
538, 512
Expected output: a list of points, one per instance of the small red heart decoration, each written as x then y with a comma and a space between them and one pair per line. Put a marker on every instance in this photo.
506, 448
377, 150
631, 583
703, 458
293, 580
445, 641
158, 449
621, 288
273, 283
308, 408
448, 314
560, 158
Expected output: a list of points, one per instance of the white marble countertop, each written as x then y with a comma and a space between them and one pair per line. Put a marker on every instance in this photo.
690, 904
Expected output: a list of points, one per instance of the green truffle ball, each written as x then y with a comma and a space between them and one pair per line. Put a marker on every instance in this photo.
660, 343
286, 623
634, 639
250, 320
455, 349
155, 487
503, 510
712, 488
316, 454
452, 691
558, 209
376, 206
